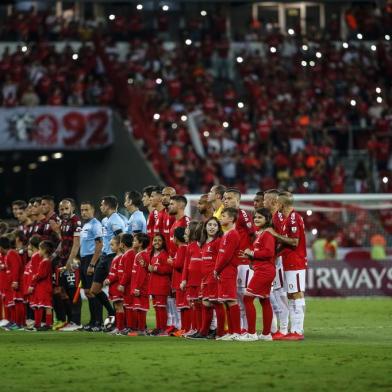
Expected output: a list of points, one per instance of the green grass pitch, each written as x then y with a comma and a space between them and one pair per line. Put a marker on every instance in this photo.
348, 347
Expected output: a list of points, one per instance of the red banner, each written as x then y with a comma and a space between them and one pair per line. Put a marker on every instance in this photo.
339, 278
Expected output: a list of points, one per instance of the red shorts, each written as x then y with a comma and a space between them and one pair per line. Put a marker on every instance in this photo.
261, 282
210, 291
128, 301
159, 300
142, 302
193, 292
181, 299
114, 294
227, 289
8, 298
18, 296
43, 301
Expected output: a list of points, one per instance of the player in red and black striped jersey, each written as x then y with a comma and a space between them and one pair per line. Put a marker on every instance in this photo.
51, 218
37, 217
69, 230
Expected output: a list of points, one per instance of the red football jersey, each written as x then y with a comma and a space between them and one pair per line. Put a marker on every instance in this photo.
178, 266
114, 277
159, 221
245, 228
159, 283
294, 258
226, 262
127, 262
14, 267
182, 222
168, 221
209, 253
140, 275
263, 250
278, 221
191, 272
152, 217
30, 270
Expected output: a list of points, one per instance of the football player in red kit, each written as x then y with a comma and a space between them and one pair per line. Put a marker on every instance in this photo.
13, 290
168, 221
176, 210
225, 272
159, 284
262, 258
139, 283
182, 303
31, 269
152, 213
294, 263
278, 296
245, 228
126, 244
210, 242
191, 274
41, 288
113, 280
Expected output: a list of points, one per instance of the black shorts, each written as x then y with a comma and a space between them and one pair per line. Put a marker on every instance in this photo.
103, 267
87, 280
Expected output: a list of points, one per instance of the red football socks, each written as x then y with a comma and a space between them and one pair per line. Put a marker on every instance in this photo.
220, 319
250, 311
120, 318
38, 317
207, 313
267, 315
20, 313
49, 319
141, 320
235, 318
186, 319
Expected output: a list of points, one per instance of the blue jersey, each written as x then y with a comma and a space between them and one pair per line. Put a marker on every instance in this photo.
91, 231
110, 225
137, 223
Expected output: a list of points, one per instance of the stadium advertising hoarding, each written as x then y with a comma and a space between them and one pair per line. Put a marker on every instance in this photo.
341, 278
54, 128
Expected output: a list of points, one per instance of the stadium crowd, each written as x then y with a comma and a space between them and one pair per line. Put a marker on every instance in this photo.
201, 275
278, 114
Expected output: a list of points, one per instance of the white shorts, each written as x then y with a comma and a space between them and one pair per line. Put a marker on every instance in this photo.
279, 276
295, 281
244, 275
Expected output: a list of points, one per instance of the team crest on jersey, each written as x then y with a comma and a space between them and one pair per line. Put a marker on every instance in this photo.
294, 229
